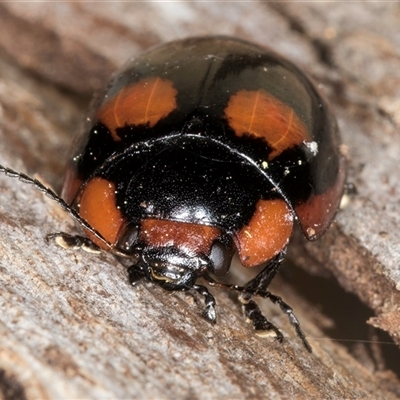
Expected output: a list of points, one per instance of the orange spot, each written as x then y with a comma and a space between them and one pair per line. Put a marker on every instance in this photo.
259, 114
193, 238
267, 233
98, 207
318, 212
143, 103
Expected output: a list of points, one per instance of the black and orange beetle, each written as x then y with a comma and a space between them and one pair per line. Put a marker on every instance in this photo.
198, 148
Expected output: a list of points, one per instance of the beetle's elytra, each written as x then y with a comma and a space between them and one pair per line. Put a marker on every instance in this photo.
197, 149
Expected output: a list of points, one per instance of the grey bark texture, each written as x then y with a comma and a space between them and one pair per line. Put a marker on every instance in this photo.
71, 326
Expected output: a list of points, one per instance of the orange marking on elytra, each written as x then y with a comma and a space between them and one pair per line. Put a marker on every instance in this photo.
254, 112
115, 108
317, 213
259, 114
150, 98
266, 234
98, 207
143, 103
193, 238
284, 136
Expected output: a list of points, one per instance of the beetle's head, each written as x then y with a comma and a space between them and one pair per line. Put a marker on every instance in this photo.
175, 254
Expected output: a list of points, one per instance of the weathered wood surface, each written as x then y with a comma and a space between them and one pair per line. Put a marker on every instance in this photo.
71, 327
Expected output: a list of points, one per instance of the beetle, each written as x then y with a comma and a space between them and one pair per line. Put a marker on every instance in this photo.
199, 148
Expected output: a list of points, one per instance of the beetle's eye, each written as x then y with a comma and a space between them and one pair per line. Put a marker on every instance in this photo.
221, 257
129, 238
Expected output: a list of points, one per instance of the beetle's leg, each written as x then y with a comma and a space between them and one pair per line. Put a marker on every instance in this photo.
64, 205
251, 309
264, 278
209, 312
253, 313
258, 287
289, 312
135, 274
73, 242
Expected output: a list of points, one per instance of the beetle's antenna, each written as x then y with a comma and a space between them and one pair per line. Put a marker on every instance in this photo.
36, 184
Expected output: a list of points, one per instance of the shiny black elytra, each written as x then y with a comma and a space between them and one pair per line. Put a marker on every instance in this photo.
197, 149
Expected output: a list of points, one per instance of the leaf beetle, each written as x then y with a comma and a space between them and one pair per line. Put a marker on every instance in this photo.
199, 148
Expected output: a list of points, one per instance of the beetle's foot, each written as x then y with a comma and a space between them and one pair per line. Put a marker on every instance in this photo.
292, 318
254, 315
73, 242
134, 275
209, 312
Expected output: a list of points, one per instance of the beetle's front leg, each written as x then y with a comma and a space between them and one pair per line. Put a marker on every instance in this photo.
74, 242
254, 315
209, 312
258, 287
135, 274
261, 282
